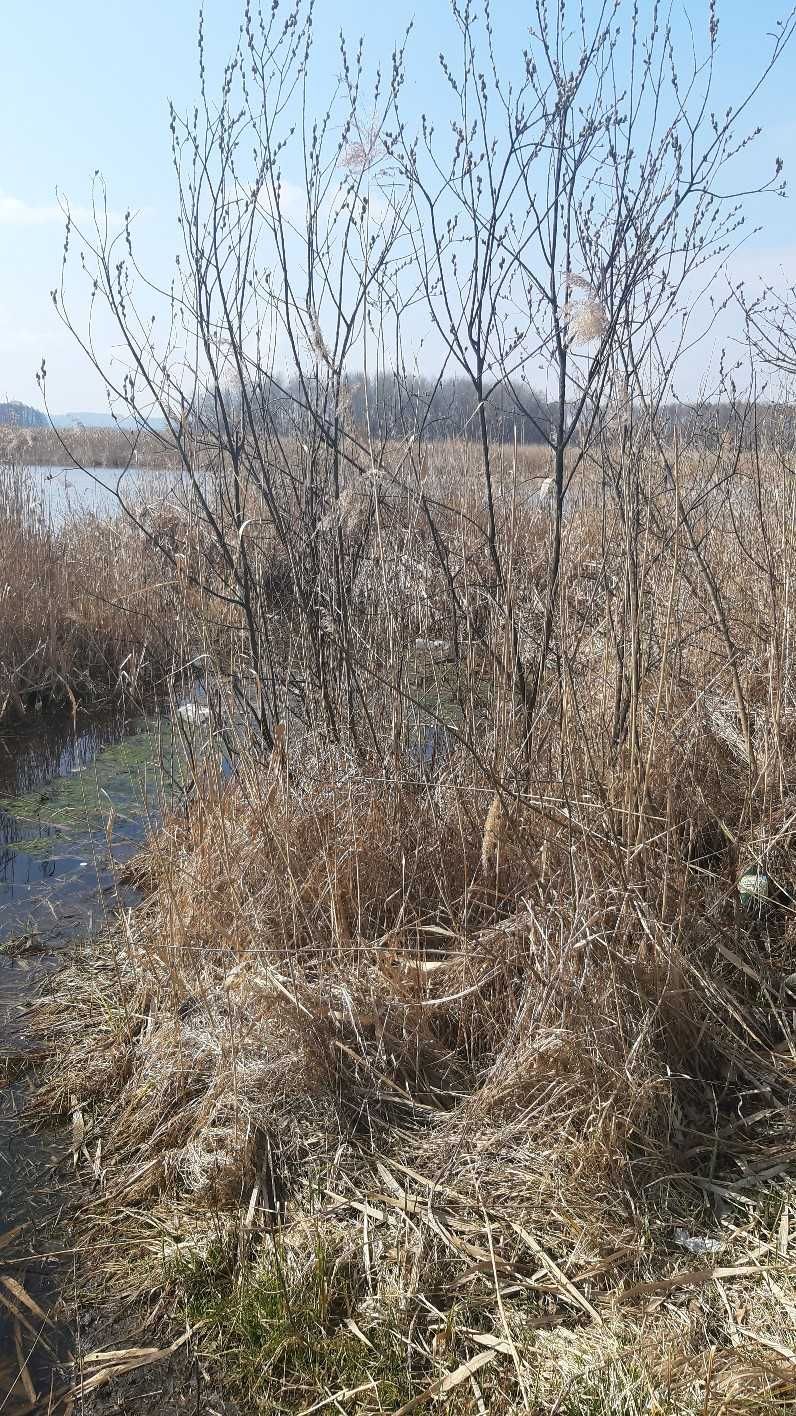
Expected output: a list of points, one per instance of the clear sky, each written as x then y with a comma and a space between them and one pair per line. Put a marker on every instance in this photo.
85, 84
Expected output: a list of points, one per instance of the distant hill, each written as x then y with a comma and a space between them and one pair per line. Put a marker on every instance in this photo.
21, 415
97, 420
90, 420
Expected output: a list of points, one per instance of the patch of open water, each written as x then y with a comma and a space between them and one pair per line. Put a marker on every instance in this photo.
64, 492
75, 803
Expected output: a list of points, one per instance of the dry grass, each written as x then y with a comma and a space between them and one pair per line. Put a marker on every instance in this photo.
473, 1081
87, 447
85, 610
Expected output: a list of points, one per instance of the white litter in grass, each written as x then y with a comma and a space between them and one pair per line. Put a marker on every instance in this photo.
193, 712
753, 886
695, 1243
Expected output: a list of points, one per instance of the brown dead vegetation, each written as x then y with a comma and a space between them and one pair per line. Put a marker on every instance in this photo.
445, 1060
498, 1041
87, 610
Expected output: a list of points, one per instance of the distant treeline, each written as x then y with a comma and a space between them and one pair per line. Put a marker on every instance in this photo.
392, 408
388, 408
21, 415
447, 408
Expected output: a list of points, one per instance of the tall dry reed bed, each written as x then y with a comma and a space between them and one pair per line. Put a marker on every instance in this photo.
86, 609
442, 1079
86, 447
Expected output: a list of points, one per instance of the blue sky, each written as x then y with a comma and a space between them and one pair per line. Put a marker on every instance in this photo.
86, 83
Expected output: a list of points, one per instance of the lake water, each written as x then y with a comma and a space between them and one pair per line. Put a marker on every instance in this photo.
67, 491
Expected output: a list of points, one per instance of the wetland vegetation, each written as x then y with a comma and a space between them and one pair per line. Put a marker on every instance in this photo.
433, 1056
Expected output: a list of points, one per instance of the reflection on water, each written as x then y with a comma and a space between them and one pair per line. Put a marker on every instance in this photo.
74, 804
21, 867
33, 756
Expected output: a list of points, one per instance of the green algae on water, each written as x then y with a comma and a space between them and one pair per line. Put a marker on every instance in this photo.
124, 780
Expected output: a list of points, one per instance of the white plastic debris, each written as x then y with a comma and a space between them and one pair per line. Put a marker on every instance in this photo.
695, 1243
193, 712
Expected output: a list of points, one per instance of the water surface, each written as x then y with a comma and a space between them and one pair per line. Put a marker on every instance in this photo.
75, 803
70, 491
